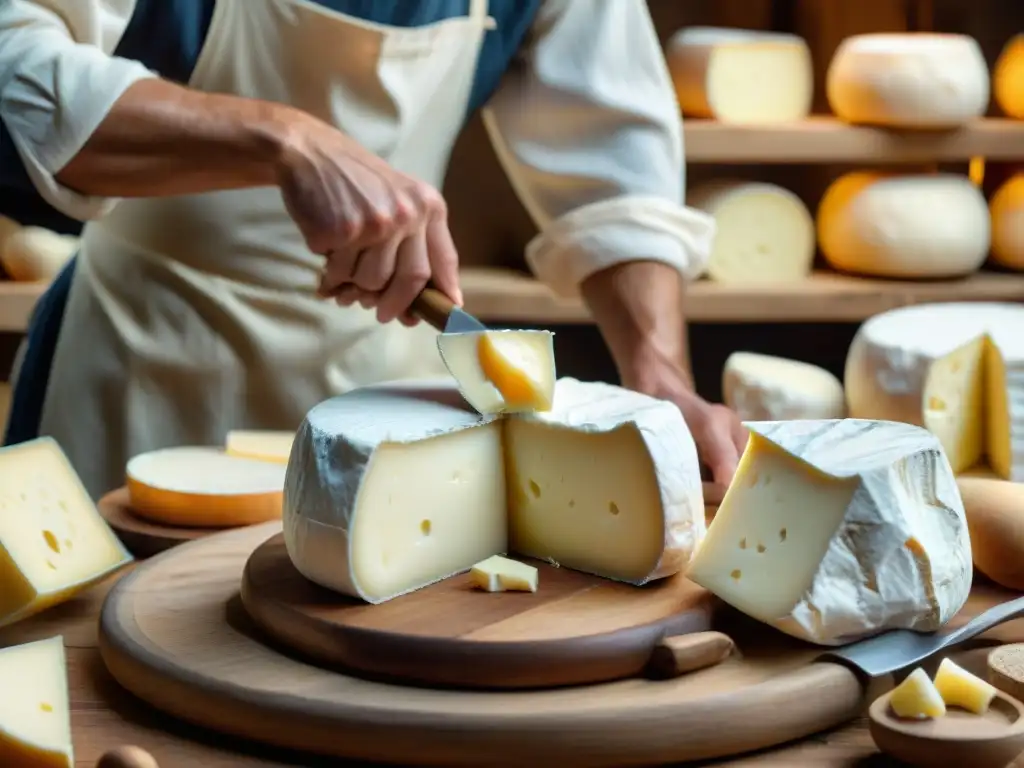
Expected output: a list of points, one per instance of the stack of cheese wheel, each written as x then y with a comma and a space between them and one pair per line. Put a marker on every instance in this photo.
32, 254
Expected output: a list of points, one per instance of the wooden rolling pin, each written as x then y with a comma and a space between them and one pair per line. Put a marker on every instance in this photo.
995, 519
127, 757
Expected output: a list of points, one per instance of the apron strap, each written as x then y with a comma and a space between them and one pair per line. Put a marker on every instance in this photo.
33, 377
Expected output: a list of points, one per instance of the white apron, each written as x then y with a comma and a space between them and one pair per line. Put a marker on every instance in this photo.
193, 315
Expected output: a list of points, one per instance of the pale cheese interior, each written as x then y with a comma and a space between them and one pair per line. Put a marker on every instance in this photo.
759, 82
35, 723
429, 509
266, 445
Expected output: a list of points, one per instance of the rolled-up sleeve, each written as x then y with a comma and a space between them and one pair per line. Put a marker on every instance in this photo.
58, 81
588, 129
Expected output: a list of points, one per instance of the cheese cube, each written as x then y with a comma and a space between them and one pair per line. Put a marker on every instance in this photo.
392, 488
53, 542
35, 722
917, 698
266, 445
766, 388
502, 371
499, 574
959, 688
741, 76
835, 530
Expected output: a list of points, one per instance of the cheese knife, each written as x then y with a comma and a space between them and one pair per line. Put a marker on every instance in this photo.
436, 309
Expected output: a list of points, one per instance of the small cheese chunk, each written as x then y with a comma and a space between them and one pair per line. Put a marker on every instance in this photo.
766, 388
499, 574
917, 698
1007, 213
266, 445
33, 254
908, 80
1008, 78
35, 720
835, 530
763, 233
204, 488
502, 371
53, 542
919, 226
741, 75
959, 688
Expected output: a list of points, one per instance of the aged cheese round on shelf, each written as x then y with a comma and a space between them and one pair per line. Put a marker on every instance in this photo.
886, 547
32, 253
1007, 215
904, 226
908, 80
1008, 78
7, 228
741, 75
392, 488
994, 509
767, 388
956, 369
763, 233
204, 488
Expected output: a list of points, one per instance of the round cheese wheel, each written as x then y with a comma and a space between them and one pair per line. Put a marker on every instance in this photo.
913, 226
1007, 214
767, 388
741, 75
763, 233
997, 538
1008, 78
33, 253
7, 228
909, 80
204, 488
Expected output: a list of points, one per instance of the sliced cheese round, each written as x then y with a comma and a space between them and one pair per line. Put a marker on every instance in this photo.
957, 369
904, 226
266, 445
204, 488
1007, 215
766, 388
908, 80
391, 489
32, 254
763, 233
741, 76
1008, 78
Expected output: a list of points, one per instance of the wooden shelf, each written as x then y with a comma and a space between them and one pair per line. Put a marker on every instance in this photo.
506, 295
16, 303
825, 140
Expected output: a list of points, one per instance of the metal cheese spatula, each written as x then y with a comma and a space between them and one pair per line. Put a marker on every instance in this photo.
435, 308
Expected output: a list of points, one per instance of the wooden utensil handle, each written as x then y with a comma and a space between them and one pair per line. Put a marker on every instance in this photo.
675, 656
127, 757
433, 307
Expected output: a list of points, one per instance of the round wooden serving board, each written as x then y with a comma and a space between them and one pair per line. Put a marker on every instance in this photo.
142, 537
173, 632
575, 629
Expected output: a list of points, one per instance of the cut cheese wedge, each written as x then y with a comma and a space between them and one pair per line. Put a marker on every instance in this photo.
763, 233
908, 80
53, 542
502, 371
390, 489
499, 574
917, 698
204, 488
959, 688
835, 530
741, 75
1007, 214
911, 226
265, 445
767, 388
1008, 78
35, 720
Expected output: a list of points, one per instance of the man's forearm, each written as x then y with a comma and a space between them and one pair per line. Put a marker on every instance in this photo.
638, 307
162, 139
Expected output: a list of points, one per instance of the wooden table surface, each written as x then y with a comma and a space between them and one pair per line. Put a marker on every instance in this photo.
104, 716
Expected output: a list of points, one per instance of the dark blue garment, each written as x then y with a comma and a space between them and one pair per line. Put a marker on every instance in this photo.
167, 36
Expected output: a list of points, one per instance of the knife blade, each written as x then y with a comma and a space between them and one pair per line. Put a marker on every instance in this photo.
438, 310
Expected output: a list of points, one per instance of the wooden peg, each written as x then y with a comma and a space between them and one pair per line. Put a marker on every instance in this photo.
127, 757
678, 655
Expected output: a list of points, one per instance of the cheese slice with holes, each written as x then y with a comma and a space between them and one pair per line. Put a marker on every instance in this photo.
502, 371
1008, 78
766, 388
917, 698
267, 445
204, 488
392, 488
834, 530
956, 369
741, 75
53, 542
35, 720
500, 574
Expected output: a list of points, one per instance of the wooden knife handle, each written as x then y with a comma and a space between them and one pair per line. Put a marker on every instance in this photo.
679, 655
433, 307
127, 757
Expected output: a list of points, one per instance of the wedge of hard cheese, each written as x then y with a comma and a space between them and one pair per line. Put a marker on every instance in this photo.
389, 490
266, 445
35, 722
834, 530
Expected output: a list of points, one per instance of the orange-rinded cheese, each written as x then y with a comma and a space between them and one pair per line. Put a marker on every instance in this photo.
204, 488
1008, 78
267, 445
